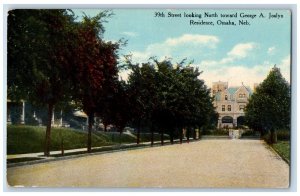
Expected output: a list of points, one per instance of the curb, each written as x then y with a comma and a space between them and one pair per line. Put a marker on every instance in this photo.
84, 153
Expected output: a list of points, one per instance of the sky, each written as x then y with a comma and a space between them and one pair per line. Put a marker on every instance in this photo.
231, 53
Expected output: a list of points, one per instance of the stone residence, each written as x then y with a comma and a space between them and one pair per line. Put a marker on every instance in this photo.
230, 103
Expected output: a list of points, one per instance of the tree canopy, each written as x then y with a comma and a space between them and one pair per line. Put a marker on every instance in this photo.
170, 96
39, 59
269, 107
53, 59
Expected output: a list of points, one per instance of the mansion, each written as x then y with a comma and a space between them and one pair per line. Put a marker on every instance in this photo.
230, 103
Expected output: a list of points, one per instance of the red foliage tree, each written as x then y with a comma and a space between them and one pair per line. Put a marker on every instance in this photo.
95, 68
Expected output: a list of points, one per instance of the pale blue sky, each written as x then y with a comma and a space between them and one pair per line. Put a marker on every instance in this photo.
241, 53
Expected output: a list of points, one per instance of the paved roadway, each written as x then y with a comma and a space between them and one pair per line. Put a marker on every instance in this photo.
203, 164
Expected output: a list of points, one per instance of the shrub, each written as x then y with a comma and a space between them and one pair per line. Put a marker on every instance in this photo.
267, 137
248, 133
283, 135
215, 132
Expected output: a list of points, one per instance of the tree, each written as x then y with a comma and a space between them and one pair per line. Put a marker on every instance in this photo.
95, 67
269, 108
118, 112
142, 95
39, 59
168, 96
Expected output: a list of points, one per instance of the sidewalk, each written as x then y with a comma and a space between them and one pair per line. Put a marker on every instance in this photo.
32, 158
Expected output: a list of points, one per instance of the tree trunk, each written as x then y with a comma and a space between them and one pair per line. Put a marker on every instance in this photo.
261, 134
48, 130
152, 135
273, 136
105, 127
194, 133
89, 142
162, 138
171, 137
177, 132
180, 134
188, 135
62, 143
138, 133
120, 137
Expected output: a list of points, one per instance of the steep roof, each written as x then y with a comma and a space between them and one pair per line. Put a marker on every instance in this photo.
232, 90
249, 90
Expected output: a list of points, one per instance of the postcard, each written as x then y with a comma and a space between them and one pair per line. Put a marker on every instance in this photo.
149, 98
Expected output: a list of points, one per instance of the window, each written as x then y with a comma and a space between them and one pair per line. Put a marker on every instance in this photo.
242, 95
242, 107
229, 107
226, 97
227, 119
223, 107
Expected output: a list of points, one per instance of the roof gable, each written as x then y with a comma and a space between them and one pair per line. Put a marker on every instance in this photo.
247, 89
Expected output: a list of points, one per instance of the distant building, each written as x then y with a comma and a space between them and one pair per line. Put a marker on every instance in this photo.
22, 112
230, 103
15, 112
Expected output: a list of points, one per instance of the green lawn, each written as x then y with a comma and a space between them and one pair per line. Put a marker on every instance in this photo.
125, 138
283, 149
27, 139
116, 138
146, 137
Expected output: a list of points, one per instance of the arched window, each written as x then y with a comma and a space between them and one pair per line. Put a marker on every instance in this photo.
227, 119
226, 97
240, 121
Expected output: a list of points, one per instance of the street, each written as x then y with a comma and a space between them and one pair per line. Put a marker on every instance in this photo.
210, 163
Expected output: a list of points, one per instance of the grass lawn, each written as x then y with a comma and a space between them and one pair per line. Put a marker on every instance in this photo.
116, 138
283, 149
146, 137
126, 138
29, 139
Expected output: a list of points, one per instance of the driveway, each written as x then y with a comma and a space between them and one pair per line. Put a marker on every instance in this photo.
219, 163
